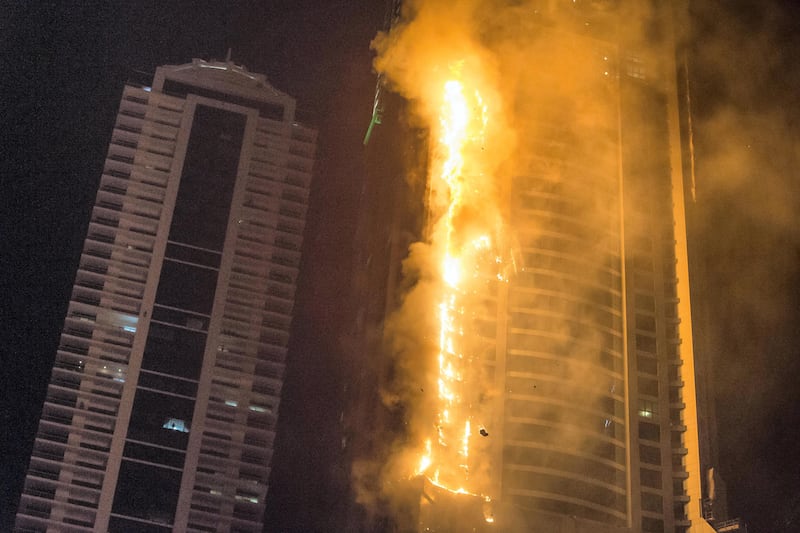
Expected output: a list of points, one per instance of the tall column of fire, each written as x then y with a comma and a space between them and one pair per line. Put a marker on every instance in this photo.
465, 232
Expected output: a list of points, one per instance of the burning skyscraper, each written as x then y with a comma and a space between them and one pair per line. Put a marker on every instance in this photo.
161, 408
534, 354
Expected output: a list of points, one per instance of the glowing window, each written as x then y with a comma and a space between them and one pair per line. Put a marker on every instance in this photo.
648, 409
176, 424
635, 67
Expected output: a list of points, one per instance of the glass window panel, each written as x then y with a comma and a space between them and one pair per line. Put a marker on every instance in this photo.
180, 318
151, 454
649, 431
647, 365
645, 302
167, 384
147, 492
118, 524
187, 287
175, 351
648, 386
650, 454
161, 419
646, 343
650, 478
652, 502
209, 173
192, 255
652, 525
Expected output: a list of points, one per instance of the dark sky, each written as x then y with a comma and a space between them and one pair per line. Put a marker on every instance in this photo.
746, 70
63, 68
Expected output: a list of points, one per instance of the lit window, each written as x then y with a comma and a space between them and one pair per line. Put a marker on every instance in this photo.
647, 408
176, 424
635, 67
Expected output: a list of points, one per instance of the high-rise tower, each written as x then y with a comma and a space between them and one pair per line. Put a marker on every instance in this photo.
576, 361
160, 412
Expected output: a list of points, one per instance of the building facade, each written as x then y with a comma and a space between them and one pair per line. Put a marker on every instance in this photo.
160, 413
588, 344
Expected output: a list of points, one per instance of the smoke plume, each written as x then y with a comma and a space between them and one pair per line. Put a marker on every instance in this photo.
542, 94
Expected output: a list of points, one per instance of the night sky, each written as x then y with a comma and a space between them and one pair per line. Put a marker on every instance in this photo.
63, 68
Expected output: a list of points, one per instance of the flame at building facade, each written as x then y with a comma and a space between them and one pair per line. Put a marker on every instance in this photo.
552, 269
468, 260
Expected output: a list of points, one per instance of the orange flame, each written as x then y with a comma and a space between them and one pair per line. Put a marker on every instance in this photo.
463, 118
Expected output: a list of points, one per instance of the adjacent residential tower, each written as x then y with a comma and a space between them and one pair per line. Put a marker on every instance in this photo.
160, 413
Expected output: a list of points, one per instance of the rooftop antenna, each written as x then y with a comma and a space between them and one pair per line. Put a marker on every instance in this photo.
228, 55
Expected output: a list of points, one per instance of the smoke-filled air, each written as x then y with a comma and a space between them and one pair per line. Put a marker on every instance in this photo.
523, 177
465, 244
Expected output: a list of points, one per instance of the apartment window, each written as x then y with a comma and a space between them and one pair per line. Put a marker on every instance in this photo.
186, 287
649, 431
652, 525
652, 502
647, 365
650, 478
645, 322
648, 408
117, 524
674, 394
192, 255
209, 173
161, 419
645, 302
646, 343
151, 454
147, 492
165, 383
648, 386
175, 351
634, 67
649, 454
